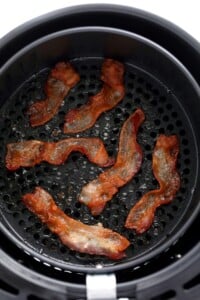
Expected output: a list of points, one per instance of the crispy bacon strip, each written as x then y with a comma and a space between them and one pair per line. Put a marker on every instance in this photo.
62, 78
165, 155
97, 192
30, 153
92, 239
112, 92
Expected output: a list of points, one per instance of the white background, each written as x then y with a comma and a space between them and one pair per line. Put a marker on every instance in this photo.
185, 14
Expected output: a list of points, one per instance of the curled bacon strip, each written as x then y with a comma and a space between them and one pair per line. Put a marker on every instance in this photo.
165, 154
92, 239
84, 117
62, 78
97, 192
30, 153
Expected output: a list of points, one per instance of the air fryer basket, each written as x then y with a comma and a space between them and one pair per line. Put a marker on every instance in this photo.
156, 82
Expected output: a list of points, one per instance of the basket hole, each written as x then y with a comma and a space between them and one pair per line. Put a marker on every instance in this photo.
149, 156
186, 171
131, 235
36, 236
45, 242
81, 97
163, 99
183, 190
169, 106
94, 67
42, 135
130, 85
157, 122
77, 214
161, 130
156, 92
170, 216
140, 80
179, 123
63, 250
117, 120
46, 231
137, 100
21, 222
138, 194
165, 118
174, 207
182, 132
148, 86
187, 161
147, 96
160, 110
6, 197
38, 225
31, 218
170, 127
186, 151
53, 246
185, 142
84, 67
29, 229
131, 76
115, 222
148, 237
140, 242
139, 90
93, 77
130, 95
71, 99
153, 134
10, 206
128, 105
174, 114
16, 215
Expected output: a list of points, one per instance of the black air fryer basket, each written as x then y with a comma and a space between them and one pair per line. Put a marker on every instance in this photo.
162, 78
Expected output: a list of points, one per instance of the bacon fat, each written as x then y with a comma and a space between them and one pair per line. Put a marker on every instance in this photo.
165, 154
62, 78
112, 92
91, 239
129, 159
30, 153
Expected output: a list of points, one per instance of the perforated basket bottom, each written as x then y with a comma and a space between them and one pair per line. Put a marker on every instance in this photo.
164, 114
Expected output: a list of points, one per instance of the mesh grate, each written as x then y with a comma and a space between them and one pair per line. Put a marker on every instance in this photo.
163, 115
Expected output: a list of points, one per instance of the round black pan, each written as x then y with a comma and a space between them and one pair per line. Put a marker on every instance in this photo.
155, 81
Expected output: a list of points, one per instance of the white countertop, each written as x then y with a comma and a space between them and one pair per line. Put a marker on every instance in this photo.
185, 14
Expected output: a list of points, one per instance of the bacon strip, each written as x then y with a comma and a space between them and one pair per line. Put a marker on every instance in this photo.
97, 192
112, 92
77, 236
62, 78
30, 153
165, 154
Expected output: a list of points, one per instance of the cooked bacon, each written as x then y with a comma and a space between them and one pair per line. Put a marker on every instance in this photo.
30, 153
165, 155
62, 78
92, 239
97, 192
112, 92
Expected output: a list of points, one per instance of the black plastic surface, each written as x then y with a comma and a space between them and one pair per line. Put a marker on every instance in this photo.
161, 31
174, 275
185, 48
